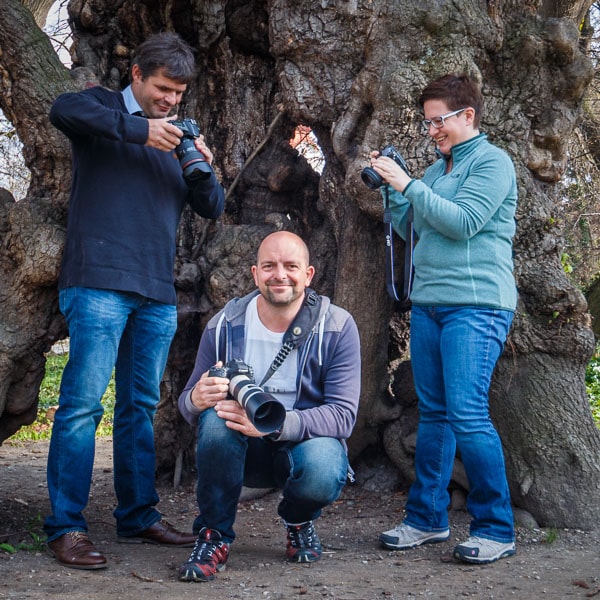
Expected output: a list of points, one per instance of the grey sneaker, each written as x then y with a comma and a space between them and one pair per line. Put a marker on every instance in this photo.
481, 550
404, 537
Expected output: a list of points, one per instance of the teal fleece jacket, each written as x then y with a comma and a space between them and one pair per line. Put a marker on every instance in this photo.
465, 223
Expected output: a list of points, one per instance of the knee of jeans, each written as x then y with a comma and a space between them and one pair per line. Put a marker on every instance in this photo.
317, 486
322, 473
212, 430
471, 426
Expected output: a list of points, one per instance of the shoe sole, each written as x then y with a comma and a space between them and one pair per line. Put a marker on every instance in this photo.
304, 558
192, 577
482, 561
392, 546
137, 540
76, 566
81, 567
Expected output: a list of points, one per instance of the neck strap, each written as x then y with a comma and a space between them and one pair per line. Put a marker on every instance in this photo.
403, 300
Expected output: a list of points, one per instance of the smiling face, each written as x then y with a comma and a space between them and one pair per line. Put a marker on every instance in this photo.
157, 94
456, 129
282, 272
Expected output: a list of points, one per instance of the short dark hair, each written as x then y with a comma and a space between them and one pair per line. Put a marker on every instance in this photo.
457, 91
166, 51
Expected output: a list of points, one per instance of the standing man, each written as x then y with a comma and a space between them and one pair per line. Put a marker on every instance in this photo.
306, 353
117, 290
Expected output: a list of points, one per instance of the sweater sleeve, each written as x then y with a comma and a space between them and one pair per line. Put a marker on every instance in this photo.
479, 196
207, 198
399, 206
97, 112
336, 415
205, 358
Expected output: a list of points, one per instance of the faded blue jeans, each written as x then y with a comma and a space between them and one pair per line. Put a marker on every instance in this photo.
454, 351
133, 334
311, 473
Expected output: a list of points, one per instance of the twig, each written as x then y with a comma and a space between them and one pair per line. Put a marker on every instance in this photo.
13, 533
178, 468
253, 155
142, 578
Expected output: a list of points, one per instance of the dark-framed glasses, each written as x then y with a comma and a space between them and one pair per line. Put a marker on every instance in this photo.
438, 122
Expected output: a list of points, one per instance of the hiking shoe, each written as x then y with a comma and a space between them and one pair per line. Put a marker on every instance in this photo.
303, 543
404, 537
481, 550
207, 558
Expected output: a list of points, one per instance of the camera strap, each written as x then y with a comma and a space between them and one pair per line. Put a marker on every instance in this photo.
402, 301
298, 331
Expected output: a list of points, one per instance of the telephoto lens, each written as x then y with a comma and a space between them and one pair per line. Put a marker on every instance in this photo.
265, 412
192, 161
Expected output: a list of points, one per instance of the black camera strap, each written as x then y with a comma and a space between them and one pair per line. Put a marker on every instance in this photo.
402, 301
298, 331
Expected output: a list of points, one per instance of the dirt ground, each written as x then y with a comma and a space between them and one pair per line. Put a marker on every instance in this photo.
353, 566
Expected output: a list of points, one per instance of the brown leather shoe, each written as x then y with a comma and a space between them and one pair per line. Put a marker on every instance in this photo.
161, 533
75, 549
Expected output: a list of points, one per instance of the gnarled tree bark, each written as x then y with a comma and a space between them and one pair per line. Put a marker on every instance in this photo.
351, 70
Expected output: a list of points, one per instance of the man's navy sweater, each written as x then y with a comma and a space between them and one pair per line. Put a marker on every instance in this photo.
126, 199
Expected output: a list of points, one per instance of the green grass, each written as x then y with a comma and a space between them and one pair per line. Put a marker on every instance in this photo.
41, 428
592, 384
37, 539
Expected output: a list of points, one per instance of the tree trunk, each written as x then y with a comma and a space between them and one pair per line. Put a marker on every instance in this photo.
351, 70
39, 9
593, 298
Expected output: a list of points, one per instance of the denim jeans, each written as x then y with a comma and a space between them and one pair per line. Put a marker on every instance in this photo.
133, 334
454, 351
311, 473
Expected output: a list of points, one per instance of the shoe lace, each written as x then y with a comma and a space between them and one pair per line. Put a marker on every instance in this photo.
78, 536
204, 551
302, 536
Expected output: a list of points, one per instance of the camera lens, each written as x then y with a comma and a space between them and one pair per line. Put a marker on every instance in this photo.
371, 178
264, 410
192, 161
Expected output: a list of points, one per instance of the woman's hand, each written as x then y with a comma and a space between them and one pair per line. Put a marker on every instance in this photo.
391, 172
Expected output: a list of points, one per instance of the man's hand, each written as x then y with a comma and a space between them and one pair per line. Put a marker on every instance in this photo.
209, 390
236, 418
163, 135
202, 147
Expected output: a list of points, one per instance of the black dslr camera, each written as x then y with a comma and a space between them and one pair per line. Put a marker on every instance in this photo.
264, 410
372, 179
192, 161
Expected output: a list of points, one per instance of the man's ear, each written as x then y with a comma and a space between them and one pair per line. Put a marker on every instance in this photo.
136, 73
310, 273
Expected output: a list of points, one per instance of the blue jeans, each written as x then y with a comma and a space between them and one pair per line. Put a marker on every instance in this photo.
311, 473
133, 334
454, 351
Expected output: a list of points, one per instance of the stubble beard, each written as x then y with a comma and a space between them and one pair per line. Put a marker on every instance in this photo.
279, 300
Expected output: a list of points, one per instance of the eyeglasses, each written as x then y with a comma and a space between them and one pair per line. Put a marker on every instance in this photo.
438, 122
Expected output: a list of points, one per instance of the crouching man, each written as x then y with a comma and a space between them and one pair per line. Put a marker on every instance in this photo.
305, 353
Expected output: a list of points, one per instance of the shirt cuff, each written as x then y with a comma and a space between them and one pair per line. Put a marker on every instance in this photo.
291, 427
189, 406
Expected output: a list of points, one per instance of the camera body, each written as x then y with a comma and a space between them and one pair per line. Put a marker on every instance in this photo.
192, 161
264, 411
372, 179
